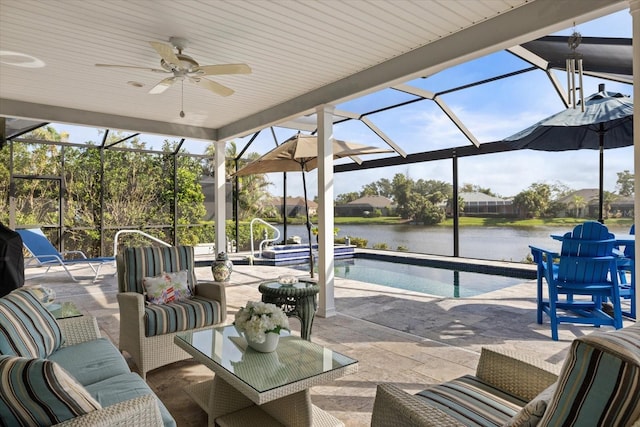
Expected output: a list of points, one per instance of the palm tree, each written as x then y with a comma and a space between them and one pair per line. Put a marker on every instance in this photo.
579, 203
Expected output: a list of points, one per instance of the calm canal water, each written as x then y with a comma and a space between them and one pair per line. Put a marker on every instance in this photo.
494, 243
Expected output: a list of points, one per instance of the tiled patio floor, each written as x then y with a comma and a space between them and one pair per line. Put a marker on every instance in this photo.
397, 336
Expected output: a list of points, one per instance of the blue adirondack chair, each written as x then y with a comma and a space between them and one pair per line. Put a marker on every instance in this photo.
45, 254
626, 264
585, 267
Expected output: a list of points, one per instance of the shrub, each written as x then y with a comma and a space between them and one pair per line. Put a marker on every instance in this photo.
383, 246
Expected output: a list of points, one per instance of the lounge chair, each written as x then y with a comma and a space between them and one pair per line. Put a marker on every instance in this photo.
44, 254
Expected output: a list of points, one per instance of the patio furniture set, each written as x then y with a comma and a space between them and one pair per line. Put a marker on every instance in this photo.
588, 272
274, 387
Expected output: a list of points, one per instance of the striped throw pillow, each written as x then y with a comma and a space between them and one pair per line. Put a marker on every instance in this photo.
27, 328
38, 392
150, 261
600, 382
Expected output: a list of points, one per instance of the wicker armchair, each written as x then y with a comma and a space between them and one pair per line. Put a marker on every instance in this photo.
598, 384
506, 371
152, 348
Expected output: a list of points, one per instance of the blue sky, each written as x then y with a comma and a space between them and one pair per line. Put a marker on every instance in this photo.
491, 112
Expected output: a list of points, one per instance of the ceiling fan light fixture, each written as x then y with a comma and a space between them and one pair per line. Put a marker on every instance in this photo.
187, 64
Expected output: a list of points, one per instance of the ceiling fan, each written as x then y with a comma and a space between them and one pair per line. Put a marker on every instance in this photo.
183, 67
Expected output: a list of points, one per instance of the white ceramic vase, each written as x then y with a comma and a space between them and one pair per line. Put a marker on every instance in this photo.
269, 345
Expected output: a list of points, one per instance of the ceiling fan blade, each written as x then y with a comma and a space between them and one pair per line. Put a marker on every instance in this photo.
155, 70
162, 85
213, 70
166, 52
213, 86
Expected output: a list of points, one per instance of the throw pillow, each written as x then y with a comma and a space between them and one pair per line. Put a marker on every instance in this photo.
600, 381
39, 392
27, 328
167, 287
532, 413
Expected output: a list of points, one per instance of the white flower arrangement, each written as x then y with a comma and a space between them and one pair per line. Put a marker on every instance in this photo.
259, 318
287, 280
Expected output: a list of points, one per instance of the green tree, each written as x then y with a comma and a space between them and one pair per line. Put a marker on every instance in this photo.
607, 199
624, 184
370, 189
347, 197
473, 188
402, 189
534, 201
579, 203
421, 209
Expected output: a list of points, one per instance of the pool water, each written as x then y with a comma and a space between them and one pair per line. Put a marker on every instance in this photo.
418, 278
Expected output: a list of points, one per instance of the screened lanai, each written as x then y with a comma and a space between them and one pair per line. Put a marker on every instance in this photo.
607, 59
49, 73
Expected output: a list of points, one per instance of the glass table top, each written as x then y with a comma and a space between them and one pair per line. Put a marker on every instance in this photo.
64, 310
294, 360
300, 284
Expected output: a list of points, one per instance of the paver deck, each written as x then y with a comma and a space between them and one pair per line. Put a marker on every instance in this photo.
397, 336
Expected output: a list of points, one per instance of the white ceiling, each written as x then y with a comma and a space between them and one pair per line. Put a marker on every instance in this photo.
302, 53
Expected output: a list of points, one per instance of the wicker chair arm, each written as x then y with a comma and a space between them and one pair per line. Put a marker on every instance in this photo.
394, 407
515, 373
132, 303
140, 411
213, 291
76, 330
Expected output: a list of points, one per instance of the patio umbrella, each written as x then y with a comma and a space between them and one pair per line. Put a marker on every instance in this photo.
606, 122
300, 153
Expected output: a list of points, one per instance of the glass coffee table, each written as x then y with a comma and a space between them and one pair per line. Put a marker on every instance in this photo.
249, 386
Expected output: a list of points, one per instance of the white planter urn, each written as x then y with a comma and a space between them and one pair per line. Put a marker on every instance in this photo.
269, 345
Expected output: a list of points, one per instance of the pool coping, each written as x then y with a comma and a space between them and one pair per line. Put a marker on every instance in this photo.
500, 268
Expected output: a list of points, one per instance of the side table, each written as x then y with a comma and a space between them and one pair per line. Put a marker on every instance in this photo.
297, 300
64, 310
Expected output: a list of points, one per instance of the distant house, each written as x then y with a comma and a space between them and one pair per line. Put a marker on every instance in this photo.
580, 204
294, 206
622, 207
588, 205
365, 206
481, 204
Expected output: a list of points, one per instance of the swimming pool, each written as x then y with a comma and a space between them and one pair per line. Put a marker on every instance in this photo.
429, 280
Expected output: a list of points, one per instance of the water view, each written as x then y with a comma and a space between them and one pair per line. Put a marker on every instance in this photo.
493, 243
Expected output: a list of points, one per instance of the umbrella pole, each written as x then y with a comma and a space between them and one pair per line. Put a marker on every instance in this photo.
306, 209
601, 189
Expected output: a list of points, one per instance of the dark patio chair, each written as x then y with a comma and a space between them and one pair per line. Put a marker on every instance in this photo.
585, 267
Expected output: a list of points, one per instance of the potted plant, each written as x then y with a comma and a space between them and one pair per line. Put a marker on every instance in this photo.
261, 324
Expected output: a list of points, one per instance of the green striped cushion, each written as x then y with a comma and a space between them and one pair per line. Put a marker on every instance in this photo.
27, 328
180, 316
600, 381
152, 261
38, 392
473, 402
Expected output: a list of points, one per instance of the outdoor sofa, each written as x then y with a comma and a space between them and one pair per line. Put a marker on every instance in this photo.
598, 385
61, 372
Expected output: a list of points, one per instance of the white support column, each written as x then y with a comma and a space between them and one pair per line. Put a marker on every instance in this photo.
634, 6
326, 306
220, 198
